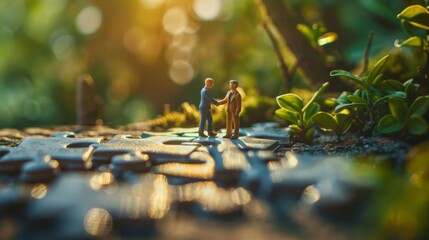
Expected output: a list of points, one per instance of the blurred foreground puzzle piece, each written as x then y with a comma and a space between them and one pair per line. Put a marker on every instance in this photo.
69, 152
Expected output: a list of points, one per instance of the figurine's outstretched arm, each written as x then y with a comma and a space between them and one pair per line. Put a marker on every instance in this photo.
223, 101
209, 98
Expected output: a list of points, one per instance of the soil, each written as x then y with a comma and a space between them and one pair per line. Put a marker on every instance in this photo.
392, 151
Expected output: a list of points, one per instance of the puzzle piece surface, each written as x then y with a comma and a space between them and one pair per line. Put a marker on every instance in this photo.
188, 183
74, 151
154, 146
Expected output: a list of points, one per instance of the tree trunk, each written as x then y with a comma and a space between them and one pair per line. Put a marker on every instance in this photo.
309, 61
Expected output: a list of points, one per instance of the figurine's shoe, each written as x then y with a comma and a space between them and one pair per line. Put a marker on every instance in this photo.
234, 136
227, 136
202, 135
212, 133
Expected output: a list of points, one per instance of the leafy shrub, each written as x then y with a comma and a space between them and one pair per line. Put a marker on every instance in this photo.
415, 22
292, 109
340, 122
364, 101
405, 118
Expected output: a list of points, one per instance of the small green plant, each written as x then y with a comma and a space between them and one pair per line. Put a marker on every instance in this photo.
340, 122
364, 101
415, 22
404, 118
292, 109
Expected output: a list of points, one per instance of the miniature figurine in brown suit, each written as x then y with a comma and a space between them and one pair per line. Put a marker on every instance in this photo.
233, 109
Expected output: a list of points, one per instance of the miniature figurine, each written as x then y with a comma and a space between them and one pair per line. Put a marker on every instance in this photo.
205, 106
233, 109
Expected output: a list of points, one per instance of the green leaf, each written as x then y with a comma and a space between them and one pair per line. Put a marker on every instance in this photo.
420, 106
411, 88
343, 98
287, 115
416, 15
412, 30
290, 101
348, 75
378, 79
391, 85
417, 125
308, 33
325, 121
398, 108
375, 131
295, 128
309, 134
385, 98
408, 82
389, 124
316, 95
309, 112
350, 106
356, 99
376, 70
410, 42
344, 122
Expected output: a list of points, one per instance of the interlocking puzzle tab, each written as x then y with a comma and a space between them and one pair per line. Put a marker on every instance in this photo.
155, 147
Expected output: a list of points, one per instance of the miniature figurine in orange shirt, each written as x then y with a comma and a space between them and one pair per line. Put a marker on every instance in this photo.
233, 109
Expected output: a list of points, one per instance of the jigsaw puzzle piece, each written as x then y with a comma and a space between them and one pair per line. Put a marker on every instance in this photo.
71, 153
155, 147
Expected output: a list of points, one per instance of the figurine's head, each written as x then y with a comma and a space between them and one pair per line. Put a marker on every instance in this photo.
209, 82
233, 84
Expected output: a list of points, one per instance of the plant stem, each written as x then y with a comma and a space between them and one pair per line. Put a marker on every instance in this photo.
366, 54
287, 75
404, 131
426, 49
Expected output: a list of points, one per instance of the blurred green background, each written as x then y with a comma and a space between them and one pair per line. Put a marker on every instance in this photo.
144, 54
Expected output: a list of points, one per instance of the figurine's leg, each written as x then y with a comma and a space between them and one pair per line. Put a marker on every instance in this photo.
228, 124
209, 122
236, 121
203, 119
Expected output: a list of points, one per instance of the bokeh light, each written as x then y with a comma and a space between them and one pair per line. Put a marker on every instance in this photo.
100, 180
39, 191
143, 44
151, 4
181, 72
98, 222
89, 20
175, 20
207, 10
311, 195
62, 44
